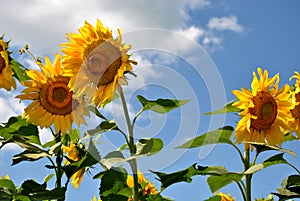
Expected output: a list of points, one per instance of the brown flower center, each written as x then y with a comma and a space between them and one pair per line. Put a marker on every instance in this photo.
296, 110
104, 62
2, 63
265, 108
2, 60
56, 97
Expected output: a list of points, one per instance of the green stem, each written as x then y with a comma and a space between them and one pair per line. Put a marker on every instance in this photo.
249, 176
131, 145
59, 159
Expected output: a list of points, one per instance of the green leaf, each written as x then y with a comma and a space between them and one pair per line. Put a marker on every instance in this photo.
112, 158
48, 178
30, 186
226, 109
8, 185
86, 161
19, 70
55, 194
290, 188
214, 198
149, 146
29, 155
187, 174
113, 185
161, 106
17, 126
94, 110
261, 147
274, 160
217, 182
221, 135
103, 127
156, 197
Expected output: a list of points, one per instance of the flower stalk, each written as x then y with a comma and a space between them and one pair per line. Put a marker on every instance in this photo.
248, 176
131, 145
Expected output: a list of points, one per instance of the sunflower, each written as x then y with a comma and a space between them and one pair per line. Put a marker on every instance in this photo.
74, 155
148, 188
96, 62
53, 101
6, 73
295, 98
225, 197
265, 114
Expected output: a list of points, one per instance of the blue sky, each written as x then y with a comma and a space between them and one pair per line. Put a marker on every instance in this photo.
199, 50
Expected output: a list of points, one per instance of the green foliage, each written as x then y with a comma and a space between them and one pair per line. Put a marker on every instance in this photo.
149, 146
226, 109
221, 135
113, 185
214, 198
187, 174
20, 130
30, 190
160, 105
216, 182
261, 147
290, 188
103, 127
19, 71
274, 160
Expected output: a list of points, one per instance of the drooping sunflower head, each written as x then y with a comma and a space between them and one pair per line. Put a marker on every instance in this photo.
52, 99
295, 99
265, 116
146, 187
96, 61
6, 73
225, 197
74, 155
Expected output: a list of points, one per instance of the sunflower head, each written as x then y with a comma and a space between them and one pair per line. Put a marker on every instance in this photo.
265, 116
96, 61
52, 99
6, 73
225, 197
74, 155
295, 98
146, 187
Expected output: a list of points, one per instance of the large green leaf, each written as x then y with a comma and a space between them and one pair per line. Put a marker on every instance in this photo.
221, 135
217, 182
19, 70
187, 174
17, 126
261, 147
113, 185
290, 188
274, 160
8, 185
102, 127
226, 109
160, 105
149, 146
112, 158
29, 155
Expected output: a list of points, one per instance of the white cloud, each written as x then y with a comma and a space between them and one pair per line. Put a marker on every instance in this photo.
225, 23
9, 106
43, 24
192, 33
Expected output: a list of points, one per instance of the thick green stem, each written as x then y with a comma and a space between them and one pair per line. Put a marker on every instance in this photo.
131, 145
59, 159
249, 176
